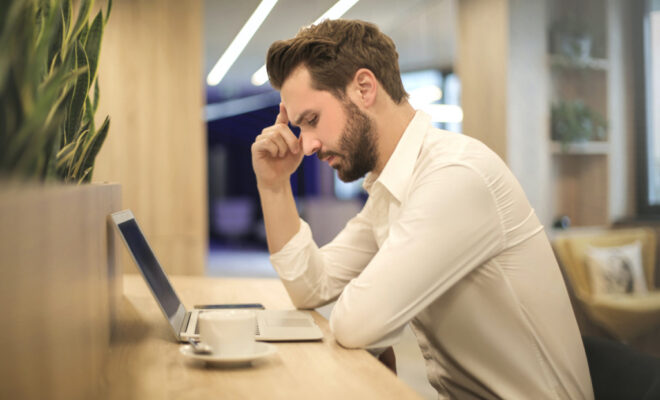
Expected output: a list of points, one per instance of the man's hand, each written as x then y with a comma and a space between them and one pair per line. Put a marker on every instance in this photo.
276, 153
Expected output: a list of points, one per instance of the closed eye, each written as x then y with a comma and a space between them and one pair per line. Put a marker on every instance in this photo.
313, 121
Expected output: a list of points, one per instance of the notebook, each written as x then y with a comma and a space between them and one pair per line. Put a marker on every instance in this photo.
272, 325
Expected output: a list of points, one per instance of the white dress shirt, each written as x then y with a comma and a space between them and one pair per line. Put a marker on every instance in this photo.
448, 242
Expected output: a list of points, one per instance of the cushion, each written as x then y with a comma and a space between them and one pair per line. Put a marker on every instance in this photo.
616, 270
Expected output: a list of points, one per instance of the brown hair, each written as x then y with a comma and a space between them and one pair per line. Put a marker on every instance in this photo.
333, 51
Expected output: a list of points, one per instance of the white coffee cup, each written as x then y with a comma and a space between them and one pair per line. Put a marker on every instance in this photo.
228, 332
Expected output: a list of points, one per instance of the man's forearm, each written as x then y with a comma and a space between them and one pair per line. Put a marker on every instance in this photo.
280, 216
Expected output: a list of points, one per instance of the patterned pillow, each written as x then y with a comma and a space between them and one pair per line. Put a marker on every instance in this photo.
616, 269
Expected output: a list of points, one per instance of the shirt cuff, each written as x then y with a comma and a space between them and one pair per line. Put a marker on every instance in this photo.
287, 261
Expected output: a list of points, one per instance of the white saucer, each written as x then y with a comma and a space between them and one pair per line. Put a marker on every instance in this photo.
260, 350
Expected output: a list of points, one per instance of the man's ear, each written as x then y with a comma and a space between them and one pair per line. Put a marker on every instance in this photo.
365, 87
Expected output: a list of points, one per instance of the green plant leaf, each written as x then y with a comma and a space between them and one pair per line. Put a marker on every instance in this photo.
97, 93
67, 17
93, 45
55, 25
94, 145
75, 164
107, 12
82, 36
79, 95
89, 115
86, 175
65, 155
41, 121
83, 17
50, 171
46, 111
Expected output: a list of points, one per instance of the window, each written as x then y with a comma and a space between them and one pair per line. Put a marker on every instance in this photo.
430, 90
649, 120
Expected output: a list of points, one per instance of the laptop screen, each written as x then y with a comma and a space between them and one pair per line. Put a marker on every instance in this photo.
151, 269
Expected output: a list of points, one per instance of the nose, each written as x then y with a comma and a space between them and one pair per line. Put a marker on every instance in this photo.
310, 144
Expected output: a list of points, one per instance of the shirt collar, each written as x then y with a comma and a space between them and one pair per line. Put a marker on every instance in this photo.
395, 177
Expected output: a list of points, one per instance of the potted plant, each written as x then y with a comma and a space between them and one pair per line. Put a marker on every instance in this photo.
573, 121
48, 64
58, 263
571, 38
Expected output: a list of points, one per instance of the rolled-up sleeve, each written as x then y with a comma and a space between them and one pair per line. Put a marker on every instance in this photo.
315, 276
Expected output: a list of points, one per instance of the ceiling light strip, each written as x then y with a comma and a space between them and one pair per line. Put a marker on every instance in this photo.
240, 41
337, 10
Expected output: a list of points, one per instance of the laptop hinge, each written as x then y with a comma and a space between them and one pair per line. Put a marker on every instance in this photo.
184, 324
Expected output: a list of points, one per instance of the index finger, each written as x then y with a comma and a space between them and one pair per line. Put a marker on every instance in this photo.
282, 117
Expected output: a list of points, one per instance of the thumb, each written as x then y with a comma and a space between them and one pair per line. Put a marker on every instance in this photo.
282, 117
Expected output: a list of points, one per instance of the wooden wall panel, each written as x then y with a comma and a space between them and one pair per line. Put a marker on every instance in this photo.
581, 184
152, 88
482, 64
59, 286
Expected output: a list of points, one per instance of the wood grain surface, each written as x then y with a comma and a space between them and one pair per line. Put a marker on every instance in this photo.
150, 76
145, 362
57, 286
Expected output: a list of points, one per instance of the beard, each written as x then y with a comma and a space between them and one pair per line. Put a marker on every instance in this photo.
358, 151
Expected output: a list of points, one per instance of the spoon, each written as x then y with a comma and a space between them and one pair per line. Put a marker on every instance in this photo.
199, 347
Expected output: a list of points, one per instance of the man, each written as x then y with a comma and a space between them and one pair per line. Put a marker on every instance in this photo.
446, 241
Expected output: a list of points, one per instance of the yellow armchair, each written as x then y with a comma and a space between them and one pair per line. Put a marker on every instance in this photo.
625, 316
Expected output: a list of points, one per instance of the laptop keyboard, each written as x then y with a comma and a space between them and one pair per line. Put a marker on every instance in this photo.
256, 329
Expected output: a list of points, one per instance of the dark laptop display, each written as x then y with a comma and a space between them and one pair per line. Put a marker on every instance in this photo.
153, 273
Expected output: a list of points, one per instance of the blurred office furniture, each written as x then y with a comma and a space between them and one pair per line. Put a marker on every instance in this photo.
233, 218
508, 105
619, 372
327, 216
624, 316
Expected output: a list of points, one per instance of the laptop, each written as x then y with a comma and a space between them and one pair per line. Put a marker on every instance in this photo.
272, 325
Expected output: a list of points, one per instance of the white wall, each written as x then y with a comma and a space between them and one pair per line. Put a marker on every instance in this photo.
527, 109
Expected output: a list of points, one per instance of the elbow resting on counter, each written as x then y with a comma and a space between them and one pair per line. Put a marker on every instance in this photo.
359, 331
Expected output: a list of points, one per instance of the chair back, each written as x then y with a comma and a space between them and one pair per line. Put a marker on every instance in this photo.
620, 372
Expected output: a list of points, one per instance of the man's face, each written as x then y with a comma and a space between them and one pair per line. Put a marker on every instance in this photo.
337, 130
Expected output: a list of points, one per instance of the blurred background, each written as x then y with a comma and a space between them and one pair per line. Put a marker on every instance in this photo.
566, 92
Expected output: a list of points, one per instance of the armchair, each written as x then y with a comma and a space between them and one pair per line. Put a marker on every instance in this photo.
624, 316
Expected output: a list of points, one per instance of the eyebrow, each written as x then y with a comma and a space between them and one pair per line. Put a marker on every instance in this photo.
302, 116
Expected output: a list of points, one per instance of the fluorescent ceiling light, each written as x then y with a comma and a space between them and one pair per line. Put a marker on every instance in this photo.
240, 41
261, 76
444, 112
337, 10
425, 95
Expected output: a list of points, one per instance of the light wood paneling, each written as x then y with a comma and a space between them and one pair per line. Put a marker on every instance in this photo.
581, 183
151, 86
482, 66
58, 285
587, 85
